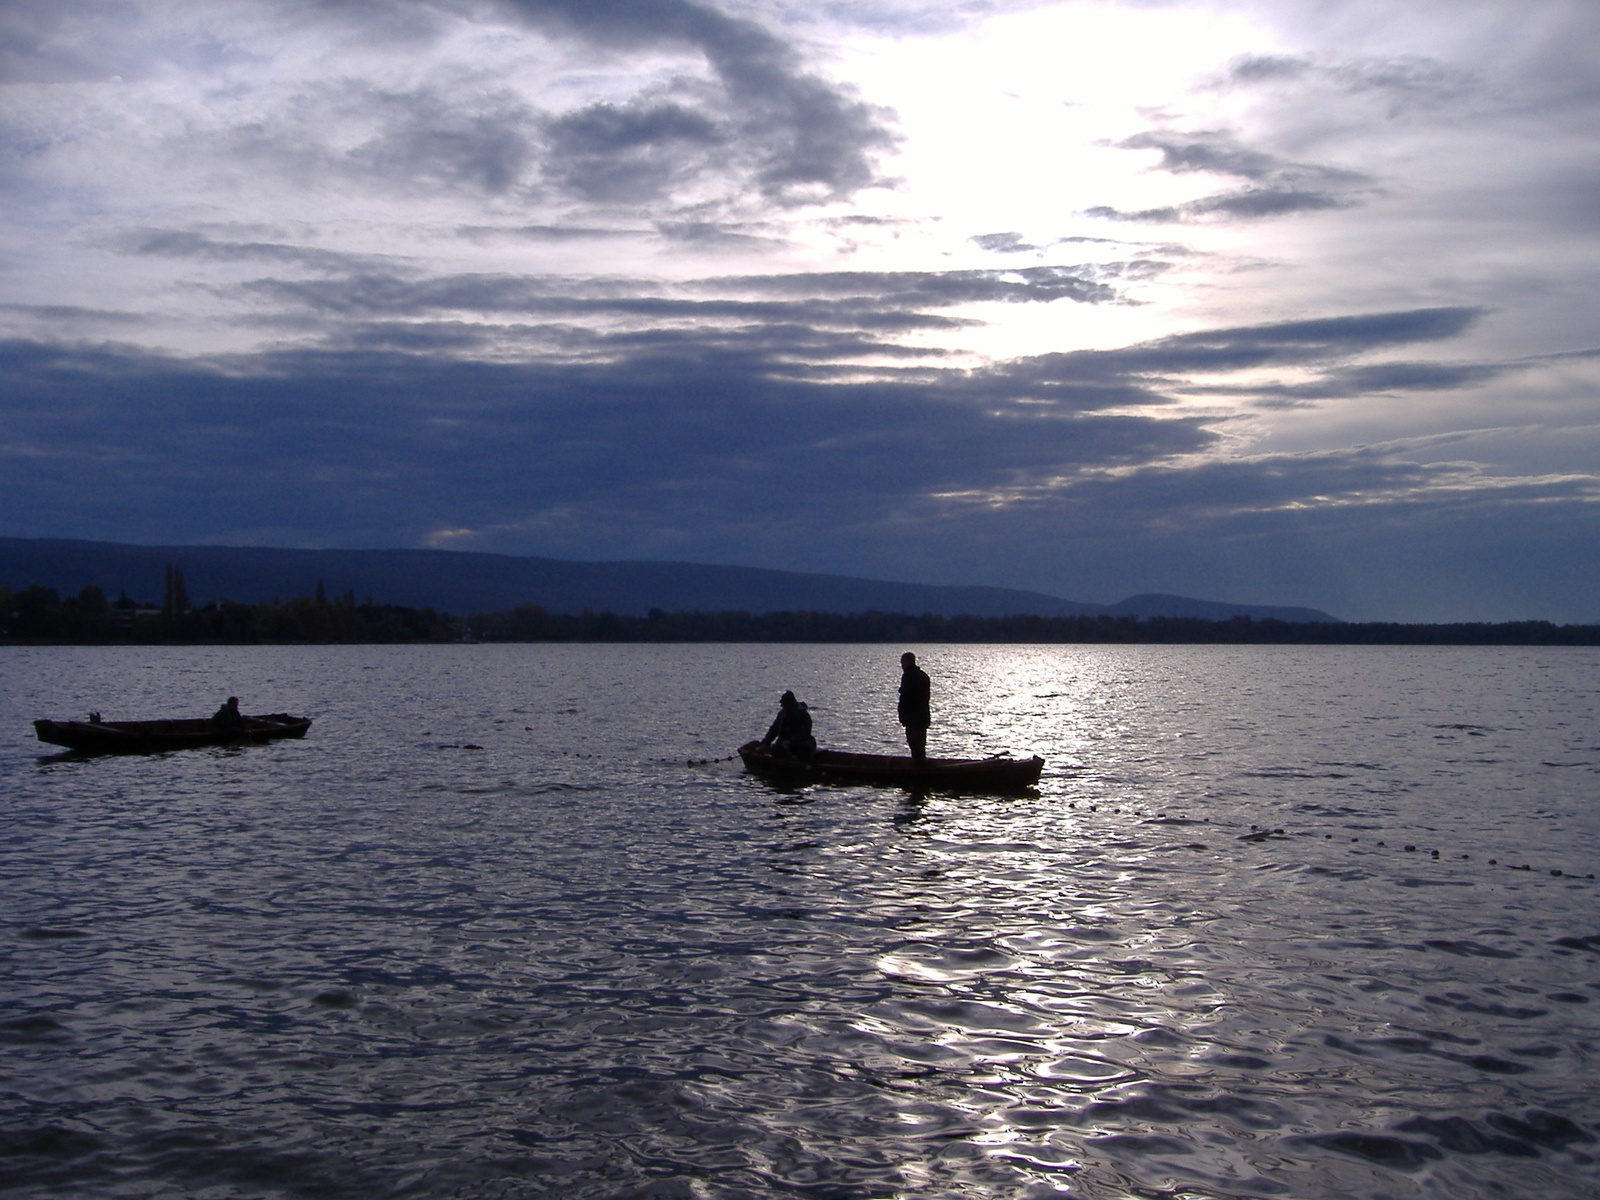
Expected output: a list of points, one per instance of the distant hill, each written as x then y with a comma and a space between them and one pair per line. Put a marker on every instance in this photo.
1156, 605
464, 583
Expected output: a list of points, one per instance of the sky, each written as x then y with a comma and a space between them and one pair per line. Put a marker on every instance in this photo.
1266, 301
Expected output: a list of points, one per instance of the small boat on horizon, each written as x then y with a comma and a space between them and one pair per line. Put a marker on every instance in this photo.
997, 773
148, 737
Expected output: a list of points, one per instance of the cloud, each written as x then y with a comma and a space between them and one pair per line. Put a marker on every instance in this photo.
483, 141
1298, 340
1277, 186
1403, 84
1384, 477
721, 235
806, 138
1379, 379
1214, 152
654, 412
537, 274
1369, 533
1083, 283
195, 246
1176, 358
684, 104
755, 441
425, 136
1002, 243
67, 315
714, 439
786, 309
66, 41
715, 455
632, 153
547, 233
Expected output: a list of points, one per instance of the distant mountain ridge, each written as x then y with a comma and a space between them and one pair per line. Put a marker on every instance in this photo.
1156, 604
466, 582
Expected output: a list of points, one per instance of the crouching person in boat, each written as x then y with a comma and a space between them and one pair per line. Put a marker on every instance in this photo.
227, 717
791, 730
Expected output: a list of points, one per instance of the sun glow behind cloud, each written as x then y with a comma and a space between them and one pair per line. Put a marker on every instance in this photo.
1011, 127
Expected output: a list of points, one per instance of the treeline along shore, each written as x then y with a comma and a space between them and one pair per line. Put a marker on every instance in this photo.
39, 616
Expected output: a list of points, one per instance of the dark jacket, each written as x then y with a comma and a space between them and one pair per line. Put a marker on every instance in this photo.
916, 698
791, 723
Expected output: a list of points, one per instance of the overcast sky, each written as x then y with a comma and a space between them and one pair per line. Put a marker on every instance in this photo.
1272, 301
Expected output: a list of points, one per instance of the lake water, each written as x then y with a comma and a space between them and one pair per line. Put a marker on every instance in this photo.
1277, 922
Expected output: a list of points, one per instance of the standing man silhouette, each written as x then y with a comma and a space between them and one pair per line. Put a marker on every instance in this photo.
916, 704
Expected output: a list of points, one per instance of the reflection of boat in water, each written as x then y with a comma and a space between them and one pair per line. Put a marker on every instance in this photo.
145, 737
998, 773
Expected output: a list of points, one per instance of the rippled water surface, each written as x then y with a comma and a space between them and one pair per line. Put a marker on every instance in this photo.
1277, 922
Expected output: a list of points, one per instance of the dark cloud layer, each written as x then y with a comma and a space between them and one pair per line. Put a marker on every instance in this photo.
692, 445
711, 443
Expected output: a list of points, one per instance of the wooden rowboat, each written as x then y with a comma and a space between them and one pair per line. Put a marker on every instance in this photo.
999, 773
146, 737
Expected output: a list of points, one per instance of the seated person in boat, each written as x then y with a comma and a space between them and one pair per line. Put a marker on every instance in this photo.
227, 717
791, 730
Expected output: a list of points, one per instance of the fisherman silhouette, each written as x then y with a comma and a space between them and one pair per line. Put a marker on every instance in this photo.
227, 717
791, 729
915, 710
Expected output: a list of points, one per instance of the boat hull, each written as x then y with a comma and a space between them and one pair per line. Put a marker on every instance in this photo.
147, 737
997, 774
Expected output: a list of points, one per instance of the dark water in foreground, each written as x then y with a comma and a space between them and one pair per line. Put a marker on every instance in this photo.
569, 964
